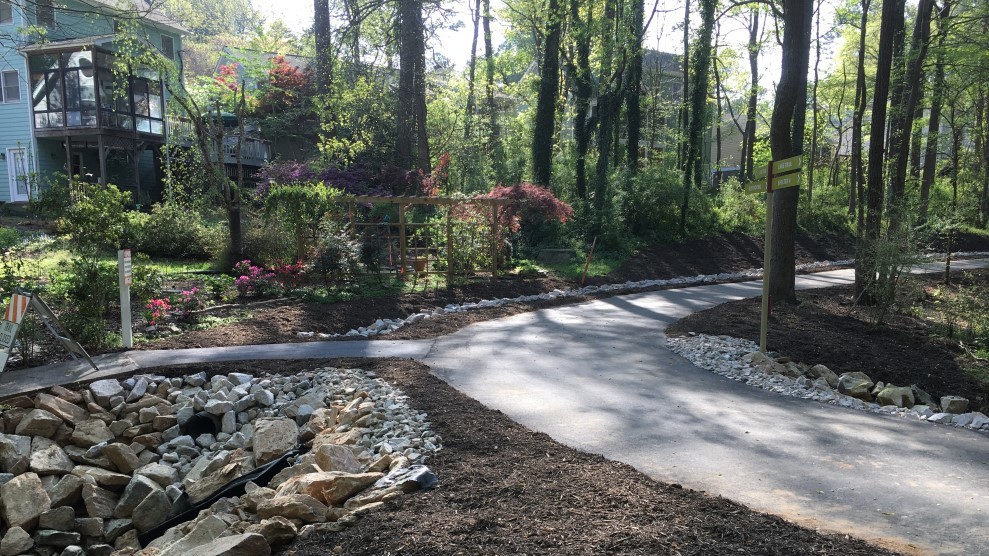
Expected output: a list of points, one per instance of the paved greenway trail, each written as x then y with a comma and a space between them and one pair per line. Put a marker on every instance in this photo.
597, 376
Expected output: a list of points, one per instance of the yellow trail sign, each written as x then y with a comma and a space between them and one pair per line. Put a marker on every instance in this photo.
760, 172
789, 180
787, 164
757, 186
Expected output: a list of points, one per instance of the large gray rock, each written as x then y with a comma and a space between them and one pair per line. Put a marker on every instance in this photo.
66, 491
140, 388
900, 396
102, 477
153, 510
38, 422
23, 500
103, 390
293, 506
820, 371
276, 530
954, 404
234, 545
137, 490
922, 397
16, 541
15, 453
857, 385
58, 519
90, 433
332, 457
160, 473
60, 539
122, 457
208, 475
274, 437
48, 458
99, 502
175, 543
68, 412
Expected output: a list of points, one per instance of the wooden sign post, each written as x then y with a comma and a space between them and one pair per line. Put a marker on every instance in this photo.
778, 174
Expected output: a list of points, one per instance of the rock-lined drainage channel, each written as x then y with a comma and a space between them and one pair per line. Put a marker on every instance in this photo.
85, 472
741, 360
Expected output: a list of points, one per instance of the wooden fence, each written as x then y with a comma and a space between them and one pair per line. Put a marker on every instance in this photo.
397, 235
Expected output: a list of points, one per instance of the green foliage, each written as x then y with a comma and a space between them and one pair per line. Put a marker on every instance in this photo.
264, 242
171, 230
95, 220
337, 254
220, 287
87, 291
303, 207
147, 280
648, 205
884, 263
738, 211
9, 237
51, 200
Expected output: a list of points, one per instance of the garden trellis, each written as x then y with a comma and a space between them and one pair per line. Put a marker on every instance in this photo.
416, 244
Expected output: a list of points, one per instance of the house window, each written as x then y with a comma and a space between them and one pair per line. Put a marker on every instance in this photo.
6, 12
11, 86
168, 47
46, 12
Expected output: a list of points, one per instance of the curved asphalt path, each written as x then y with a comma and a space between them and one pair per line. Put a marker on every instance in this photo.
597, 376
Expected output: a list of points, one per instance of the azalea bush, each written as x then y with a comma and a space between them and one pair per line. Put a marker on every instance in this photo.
156, 310
255, 281
187, 303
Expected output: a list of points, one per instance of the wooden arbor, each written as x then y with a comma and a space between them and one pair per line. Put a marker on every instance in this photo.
398, 234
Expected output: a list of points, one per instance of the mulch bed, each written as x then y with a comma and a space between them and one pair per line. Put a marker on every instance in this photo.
826, 327
505, 489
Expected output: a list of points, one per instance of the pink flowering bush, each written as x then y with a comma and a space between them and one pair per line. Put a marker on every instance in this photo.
258, 281
289, 274
156, 310
187, 302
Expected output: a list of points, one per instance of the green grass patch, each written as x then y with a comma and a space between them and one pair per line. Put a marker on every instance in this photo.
209, 321
601, 264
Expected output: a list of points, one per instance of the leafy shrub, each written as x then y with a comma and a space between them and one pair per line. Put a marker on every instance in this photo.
220, 287
148, 280
738, 211
336, 254
95, 220
88, 290
268, 242
187, 302
171, 230
303, 206
51, 201
9, 237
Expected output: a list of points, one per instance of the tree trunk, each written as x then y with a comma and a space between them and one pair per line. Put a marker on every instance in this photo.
321, 36
748, 144
471, 73
583, 88
494, 131
684, 113
934, 125
693, 169
903, 123
549, 84
857, 180
891, 12
405, 136
814, 130
786, 137
633, 106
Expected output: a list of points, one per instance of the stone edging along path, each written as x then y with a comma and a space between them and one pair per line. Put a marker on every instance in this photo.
383, 327
739, 359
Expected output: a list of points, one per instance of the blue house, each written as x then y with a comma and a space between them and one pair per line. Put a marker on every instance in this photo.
63, 108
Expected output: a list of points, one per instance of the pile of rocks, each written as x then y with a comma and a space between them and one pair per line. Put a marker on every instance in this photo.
741, 360
83, 472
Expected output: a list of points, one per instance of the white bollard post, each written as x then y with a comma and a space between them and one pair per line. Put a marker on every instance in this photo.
126, 276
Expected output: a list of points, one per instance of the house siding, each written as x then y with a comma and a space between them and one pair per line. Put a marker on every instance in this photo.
15, 128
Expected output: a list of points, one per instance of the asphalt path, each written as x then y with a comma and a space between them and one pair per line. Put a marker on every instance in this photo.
597, 376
